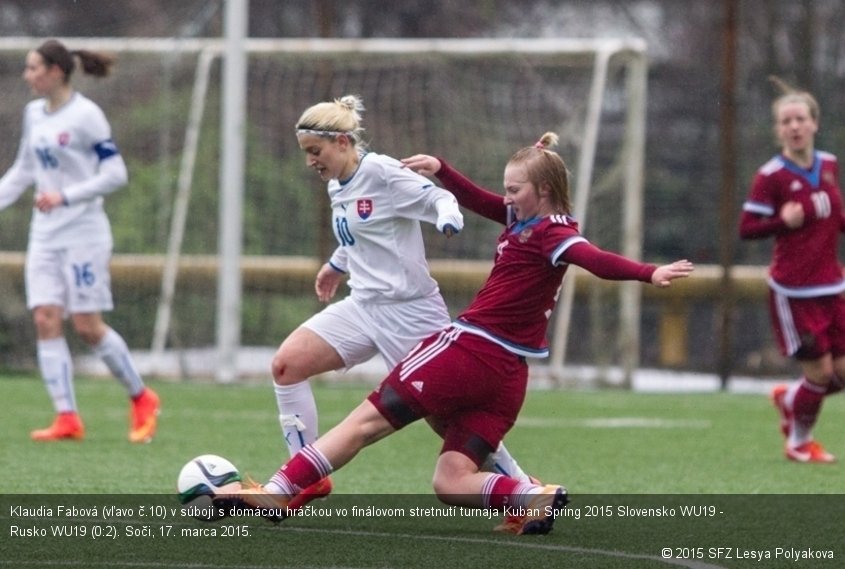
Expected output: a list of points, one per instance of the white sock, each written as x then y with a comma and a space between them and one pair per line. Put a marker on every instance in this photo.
501, 462
281, 485
114, 352
524, 493
56, 367
297, 414
519, 497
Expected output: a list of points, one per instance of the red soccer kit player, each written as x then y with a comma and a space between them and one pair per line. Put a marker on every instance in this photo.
475, 372
805, 263
806, 281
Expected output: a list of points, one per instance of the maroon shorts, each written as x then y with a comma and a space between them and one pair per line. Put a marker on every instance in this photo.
471, 387
809, 328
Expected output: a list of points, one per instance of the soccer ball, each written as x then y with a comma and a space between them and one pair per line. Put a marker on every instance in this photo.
200, 479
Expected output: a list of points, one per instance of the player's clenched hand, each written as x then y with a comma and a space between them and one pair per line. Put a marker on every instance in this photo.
327, 282
422, 164
47, 201
792, 214
665, 274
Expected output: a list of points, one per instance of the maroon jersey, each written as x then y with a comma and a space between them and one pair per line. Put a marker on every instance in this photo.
515, 303
513, 307
805, 262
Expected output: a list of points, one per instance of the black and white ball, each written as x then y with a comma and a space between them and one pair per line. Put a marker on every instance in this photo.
201, 479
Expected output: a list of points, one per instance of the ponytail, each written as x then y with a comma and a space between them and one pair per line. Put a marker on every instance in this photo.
53, 52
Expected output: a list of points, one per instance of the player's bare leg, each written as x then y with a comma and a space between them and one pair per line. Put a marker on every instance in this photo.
457, 481
499, 462
302, 355
362, 427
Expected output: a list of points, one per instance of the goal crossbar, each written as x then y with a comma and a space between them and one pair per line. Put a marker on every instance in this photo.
571, 49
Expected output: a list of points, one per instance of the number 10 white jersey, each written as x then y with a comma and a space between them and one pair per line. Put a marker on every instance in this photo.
375, 217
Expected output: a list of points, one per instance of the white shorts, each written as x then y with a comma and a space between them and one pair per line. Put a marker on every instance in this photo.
76, 278
360, 331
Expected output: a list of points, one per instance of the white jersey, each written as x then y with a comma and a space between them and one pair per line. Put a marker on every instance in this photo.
375, 217
69, 150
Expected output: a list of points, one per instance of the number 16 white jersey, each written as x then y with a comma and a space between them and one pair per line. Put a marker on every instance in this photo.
69, 150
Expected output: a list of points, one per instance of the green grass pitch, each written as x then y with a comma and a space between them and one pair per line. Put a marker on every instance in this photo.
701, 474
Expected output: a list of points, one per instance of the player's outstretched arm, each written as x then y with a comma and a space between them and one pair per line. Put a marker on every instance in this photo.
471, 196
665, 274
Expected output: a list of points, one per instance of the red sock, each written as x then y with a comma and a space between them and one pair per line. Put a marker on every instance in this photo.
498, 491
807, 403
304, 469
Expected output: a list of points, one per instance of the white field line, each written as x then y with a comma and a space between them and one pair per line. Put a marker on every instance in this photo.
615, 423
162, 564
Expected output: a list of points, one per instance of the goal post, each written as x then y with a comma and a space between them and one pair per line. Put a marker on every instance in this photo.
473, 101
633, 160
179, 215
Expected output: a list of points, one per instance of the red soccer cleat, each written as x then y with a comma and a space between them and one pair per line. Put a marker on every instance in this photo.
66, 426
779, 401
320, 489
273, 507
811, 451
144, 414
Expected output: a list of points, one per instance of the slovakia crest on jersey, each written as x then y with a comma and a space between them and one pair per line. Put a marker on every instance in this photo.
365, 208
64, 138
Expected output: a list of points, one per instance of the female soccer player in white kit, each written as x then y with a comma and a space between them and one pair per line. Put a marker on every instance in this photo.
377, 206
67, 153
